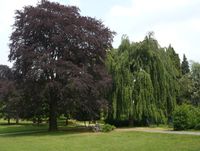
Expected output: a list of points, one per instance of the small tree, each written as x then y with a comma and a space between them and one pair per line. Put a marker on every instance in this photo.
9, 96
185, 66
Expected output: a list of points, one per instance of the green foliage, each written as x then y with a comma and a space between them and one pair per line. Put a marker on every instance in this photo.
196, 83
190, 86
186, 89
197, 127
107, 128
145, 82
186, 117
77, 140
185, 66
175, 60
144, 104
123, 81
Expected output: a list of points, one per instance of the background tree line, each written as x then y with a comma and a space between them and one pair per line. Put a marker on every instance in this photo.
64, 65
149, 82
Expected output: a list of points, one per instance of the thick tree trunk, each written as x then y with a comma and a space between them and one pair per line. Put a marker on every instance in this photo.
53, 114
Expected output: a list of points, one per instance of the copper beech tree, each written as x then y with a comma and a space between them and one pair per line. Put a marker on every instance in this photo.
53, 46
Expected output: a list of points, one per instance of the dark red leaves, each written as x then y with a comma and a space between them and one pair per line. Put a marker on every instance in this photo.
54, 44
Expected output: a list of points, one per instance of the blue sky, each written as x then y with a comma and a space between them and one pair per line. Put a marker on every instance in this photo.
175, 22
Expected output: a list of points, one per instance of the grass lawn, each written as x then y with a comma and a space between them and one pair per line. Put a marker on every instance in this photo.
70, 139
25, 126
21, 127
114, 141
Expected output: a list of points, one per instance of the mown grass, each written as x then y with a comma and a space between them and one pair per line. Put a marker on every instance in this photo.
77, 139
23, 126
114, 141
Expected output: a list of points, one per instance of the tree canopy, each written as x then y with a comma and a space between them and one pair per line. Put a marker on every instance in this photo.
61, 55
145, 81
195, 73
64, 65
9, 96
185, 66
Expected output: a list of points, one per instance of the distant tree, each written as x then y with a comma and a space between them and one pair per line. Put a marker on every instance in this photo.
53, 46
33, 102
195, 70
5, 86
14, 99
185, 66
9, 96
186, 89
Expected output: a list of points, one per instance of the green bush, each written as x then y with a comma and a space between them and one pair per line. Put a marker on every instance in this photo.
185, 117
107, 128
197, 127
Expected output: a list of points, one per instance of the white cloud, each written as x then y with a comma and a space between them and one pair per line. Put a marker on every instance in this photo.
183, 35
195, 24
7, 13
74, 2
140, 7
175, 22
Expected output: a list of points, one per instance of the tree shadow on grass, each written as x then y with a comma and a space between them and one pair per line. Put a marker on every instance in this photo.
16, 128
44, 132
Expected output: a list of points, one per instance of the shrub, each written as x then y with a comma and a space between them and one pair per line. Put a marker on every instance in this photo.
180, 117
107, 128
118, 123
197, 127
185, 117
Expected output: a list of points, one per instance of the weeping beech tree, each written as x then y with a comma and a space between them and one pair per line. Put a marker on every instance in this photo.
145, 82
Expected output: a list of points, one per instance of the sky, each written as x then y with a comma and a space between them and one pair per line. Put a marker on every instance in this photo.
175, 22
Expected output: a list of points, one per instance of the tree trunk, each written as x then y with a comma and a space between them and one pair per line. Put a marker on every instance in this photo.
34, 120
53, 114
66, 122
38, 121
17, 120
8, 120
131, 121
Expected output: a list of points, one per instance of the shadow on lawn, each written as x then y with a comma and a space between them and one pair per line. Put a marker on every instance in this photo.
44, 132
14, 128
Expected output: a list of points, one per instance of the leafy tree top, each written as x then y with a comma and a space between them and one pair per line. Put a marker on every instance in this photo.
64, 52
5, 73
175, 60
185, 65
